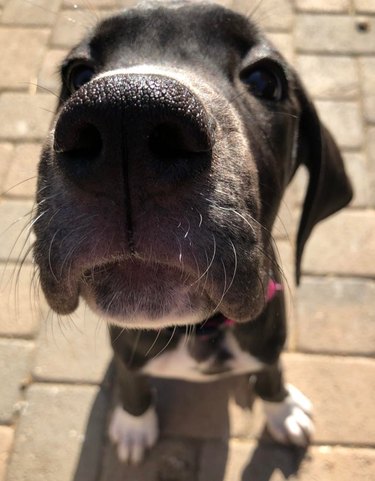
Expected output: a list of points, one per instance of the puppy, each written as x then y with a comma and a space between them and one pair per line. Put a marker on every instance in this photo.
178, 129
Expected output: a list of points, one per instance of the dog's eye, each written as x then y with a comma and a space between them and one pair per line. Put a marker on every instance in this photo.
79, 75
264, 83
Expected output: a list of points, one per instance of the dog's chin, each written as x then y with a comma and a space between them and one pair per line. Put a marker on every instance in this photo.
134, 294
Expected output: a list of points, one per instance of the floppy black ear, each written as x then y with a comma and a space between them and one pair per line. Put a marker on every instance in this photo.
329, 188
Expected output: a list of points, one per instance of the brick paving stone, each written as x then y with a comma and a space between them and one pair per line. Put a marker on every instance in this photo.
364, 6
72, 25
214, 459
6, 153
286, 222
367, 68
172, 459
340, 6
28, 116
371, 151
49, 76
73, 349
329, 77
245, 415
59, 435
343, 244
103, 3
287, 219
246, 461
272, 15
6, 441
21, 74
37, 12
255, 462
15, 362
344, 121
297, 188
284, 43
342, 390
286, 252
182, 416
357, 168
95, 3
338, 34
14, 235
338, 464
21, 307
21, 178
336, 315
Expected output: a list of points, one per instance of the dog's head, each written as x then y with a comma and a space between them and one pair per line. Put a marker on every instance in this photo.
176, 135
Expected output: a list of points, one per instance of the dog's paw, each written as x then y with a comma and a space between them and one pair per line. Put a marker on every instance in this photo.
289, 421
133, 434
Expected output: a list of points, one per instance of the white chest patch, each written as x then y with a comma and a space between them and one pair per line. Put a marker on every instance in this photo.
178, 364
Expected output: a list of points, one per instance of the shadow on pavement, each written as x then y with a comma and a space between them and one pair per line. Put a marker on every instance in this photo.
194, 442
270, 461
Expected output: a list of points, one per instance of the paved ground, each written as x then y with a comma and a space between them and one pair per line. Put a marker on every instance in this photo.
54, 400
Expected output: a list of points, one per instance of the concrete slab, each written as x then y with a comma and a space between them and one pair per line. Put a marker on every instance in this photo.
60, 434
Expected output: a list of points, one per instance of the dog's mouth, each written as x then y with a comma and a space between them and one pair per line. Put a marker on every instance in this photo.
144, 292
139, 294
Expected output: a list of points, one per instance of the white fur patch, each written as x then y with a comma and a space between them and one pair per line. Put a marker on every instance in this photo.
178, 363
133, 434
289, 421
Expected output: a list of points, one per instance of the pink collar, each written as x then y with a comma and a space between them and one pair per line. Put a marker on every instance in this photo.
272, 288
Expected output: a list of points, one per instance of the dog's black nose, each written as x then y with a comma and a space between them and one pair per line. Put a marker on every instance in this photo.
154, 125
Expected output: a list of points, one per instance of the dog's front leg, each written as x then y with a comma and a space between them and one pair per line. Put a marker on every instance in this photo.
134, 425
287, 410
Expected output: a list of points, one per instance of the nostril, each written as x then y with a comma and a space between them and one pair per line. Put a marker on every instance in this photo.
181, 152
78, 150
85, 147
170, 142
167, 142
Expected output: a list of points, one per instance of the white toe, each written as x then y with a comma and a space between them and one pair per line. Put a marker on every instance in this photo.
133, 434
300, 399
289, 421
123, 452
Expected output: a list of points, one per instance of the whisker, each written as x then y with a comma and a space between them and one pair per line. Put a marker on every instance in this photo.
41, 87
6, 192
153, 344
119, 334
49, 254
167, 344
210, 263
